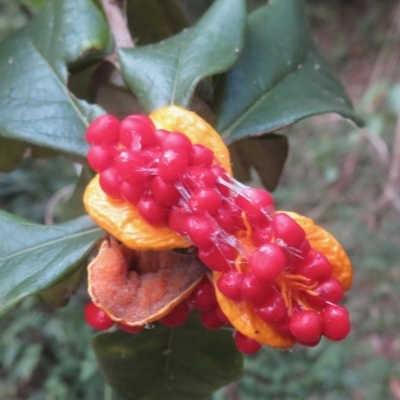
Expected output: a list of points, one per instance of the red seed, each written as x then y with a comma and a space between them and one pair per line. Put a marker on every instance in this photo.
151, 156
130, 329
210, 320
288, 230
254, 290
262, 235
96, 317
225, 219
221, 173
306, 326
201, 231
256, 203
267, 262
160, 134
137, 132
152, 211
164, 192
246, 345
195, 177
103, 130
230, 285
131, 167
220, 314
176, 140
177, 220
219, 257
203, 296
131, 193
314, 266
273, 309
110, 183
201, 156
329, 290
177, 316
101, 157
336, 322
173, 163
205, 200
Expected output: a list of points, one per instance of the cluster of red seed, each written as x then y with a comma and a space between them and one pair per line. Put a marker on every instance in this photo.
263, 255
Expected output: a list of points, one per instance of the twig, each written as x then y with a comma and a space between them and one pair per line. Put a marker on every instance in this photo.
117, 24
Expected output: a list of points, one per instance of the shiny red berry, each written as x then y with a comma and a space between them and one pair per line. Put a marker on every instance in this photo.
306, 326
110, 182
210, 320
173, 163
205, 200
314, 266
201, 156
201, 231
203, 296
177, 316
273, 309
195, 177
330, 291
152, 211
96, 317
103, 130
137, 132
230, 285
177, 140
246, 345
164, 192
254, 290
287, 230
336, 322
256, 203
131, 166
101, 157
268, 261
131, 193
219, 257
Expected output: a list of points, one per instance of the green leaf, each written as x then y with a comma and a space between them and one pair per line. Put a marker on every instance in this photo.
267, 155
182, 363
35, 104
34, 256
280, 77
58, 295
168, 72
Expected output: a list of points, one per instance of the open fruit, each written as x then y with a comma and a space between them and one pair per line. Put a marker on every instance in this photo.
119, 217
266, 323
165, 182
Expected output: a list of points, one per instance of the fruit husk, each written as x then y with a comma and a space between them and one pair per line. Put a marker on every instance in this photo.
135, 287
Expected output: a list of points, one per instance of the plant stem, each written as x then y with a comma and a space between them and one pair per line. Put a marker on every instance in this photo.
117, 24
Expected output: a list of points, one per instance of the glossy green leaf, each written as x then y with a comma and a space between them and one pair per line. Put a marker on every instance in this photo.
74, 207
58, 295
168, 72
35, 104
280, 77
34, 256
182, 363
266, 154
